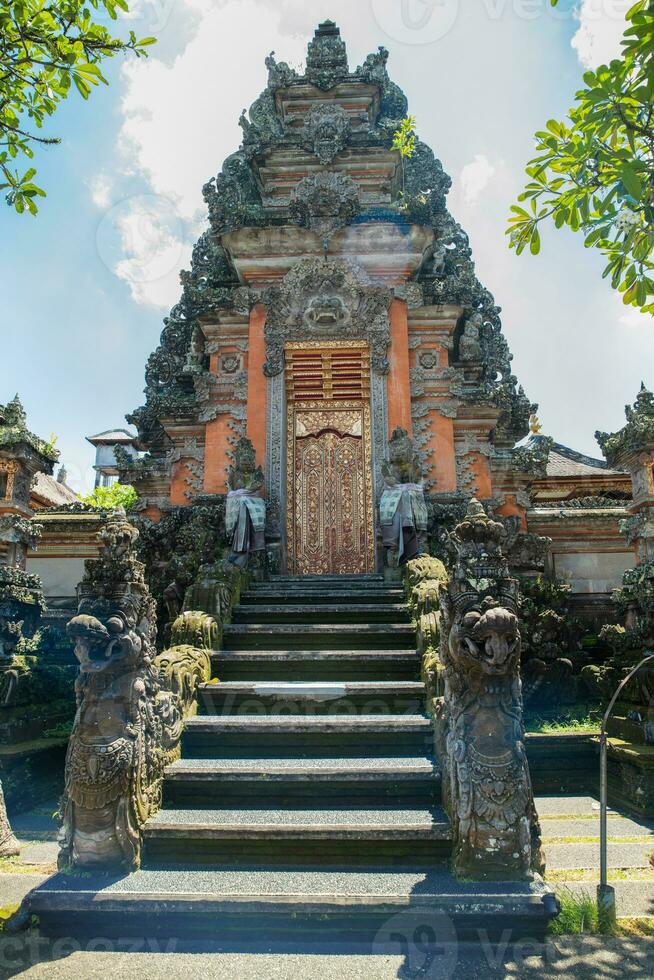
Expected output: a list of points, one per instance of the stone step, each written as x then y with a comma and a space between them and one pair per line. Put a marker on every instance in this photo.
353, 781
562, 763
252, 736
326, 580
299, 904
342, 613
309, 596
311, 697
298, 836
318, 664
333, 636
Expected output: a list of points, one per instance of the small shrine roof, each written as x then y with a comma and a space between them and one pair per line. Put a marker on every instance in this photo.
112, 436
49, 492
566, 462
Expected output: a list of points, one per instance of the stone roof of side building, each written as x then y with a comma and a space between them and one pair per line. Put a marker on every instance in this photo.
48, 492
566, 462
112, 436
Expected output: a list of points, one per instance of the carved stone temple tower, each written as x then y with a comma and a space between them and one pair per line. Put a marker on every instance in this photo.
332, 299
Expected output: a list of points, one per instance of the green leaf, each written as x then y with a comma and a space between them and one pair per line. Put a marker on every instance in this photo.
82, 87
45, 47
631, 181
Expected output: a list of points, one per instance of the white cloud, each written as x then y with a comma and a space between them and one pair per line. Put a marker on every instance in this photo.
631, 318
101, 187
181, 119
601, 26
143, 242
474, 177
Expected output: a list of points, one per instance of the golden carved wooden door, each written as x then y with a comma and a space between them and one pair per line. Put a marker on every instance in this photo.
329, 517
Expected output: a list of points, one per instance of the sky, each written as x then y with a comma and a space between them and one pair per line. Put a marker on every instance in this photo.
86, 284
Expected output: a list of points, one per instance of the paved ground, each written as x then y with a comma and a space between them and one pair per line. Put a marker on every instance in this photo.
570, 828
571, 958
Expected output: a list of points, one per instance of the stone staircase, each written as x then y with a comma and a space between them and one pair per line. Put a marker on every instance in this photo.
307, 799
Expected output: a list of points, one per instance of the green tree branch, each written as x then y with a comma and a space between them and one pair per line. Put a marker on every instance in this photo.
45, 49
594, 172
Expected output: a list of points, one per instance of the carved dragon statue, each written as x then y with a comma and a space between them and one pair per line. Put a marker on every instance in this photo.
131, 704
480, 728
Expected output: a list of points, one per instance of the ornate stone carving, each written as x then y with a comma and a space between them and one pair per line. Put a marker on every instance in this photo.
402, 464
131, 707
525, 552
330, 300
243, 473
429, 361
638, 434
195, 357
233, 197
325, 202
326, 131
326, 57
469, 345
480, 728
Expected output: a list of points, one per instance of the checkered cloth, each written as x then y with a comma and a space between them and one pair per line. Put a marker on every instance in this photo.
402, 513
245, 519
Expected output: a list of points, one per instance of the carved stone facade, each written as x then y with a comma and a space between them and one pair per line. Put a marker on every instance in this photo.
325, 202
330, 300
320, 232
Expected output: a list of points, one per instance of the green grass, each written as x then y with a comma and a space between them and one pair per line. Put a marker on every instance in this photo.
641, 927
6, 913
591, 875
589, 839
579, 914
573, 722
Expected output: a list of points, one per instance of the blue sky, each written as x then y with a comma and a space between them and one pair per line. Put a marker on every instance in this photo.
87, 283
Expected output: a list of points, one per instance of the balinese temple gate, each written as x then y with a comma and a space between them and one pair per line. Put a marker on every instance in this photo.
332, 301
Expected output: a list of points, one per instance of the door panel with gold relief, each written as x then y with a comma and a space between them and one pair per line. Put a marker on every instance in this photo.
329, 516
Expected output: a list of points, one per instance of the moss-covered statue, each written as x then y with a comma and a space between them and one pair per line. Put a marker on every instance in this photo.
402, 508
480, 727
131, 705
245, 514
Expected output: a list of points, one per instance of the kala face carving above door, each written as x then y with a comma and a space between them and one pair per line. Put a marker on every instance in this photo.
329, 467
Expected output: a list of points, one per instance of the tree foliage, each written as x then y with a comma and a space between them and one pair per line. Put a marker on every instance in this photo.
594, 172
108, 498
46, 48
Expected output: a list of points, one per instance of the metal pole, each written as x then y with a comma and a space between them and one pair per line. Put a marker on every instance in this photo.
605, 892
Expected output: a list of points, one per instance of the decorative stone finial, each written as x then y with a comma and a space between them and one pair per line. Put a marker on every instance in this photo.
326, 56
15, 414
535, 426
636, 436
